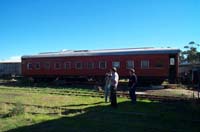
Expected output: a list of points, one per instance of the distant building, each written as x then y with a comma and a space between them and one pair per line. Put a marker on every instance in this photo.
186, 68
189, 73
10, 69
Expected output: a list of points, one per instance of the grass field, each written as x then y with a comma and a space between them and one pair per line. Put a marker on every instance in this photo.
75, 109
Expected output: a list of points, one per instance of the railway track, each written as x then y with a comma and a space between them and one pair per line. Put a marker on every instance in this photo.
123, 86
126, 95
99, 92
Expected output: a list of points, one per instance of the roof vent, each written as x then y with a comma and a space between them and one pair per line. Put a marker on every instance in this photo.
81, 50
47, 53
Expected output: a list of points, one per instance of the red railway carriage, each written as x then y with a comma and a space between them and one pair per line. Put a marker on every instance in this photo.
151, 64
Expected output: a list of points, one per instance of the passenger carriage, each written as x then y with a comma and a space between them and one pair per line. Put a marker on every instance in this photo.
152, 65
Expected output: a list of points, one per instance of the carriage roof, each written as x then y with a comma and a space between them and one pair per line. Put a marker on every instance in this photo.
105, 52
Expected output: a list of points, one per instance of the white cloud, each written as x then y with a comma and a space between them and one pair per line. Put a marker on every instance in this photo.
12, 59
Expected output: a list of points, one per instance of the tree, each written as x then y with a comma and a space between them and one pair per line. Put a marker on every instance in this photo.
191, 55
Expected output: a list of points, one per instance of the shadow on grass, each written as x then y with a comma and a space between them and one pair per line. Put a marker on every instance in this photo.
65, 109
141, 117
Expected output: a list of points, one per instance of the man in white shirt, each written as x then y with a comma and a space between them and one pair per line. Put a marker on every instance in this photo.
113, 87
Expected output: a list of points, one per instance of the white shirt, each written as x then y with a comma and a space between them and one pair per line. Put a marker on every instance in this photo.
114, 79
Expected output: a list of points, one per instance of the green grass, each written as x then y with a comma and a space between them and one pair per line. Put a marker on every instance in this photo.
53, 109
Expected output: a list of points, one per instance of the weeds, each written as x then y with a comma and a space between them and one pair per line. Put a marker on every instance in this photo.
18, 109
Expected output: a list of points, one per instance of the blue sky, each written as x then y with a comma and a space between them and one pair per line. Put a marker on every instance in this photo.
34, 26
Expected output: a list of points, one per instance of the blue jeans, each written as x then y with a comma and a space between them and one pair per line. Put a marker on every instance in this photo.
107, 93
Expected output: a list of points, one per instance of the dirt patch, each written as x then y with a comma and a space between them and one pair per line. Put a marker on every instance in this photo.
173, 92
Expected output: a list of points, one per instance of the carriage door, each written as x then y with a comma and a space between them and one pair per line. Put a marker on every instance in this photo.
172, 68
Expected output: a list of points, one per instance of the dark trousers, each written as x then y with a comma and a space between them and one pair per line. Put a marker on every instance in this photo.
132, 95
113, 97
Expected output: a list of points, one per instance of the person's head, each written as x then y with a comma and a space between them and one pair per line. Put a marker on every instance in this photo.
131, 71
114, 69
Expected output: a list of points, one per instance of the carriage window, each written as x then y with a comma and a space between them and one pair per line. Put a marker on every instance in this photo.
29, 66
172, 61
79, 65
129, 64
67, 65
47, 65
37, 66
102, 65
116, 64
57, 65
90, 65
145, 64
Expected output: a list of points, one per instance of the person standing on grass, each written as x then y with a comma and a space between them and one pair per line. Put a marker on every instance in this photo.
132, 85
107, 87
113, 87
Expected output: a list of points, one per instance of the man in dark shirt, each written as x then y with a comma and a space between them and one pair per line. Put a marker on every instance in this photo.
132, 85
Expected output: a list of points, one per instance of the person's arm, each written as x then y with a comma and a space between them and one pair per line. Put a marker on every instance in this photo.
113, 80
134, 81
